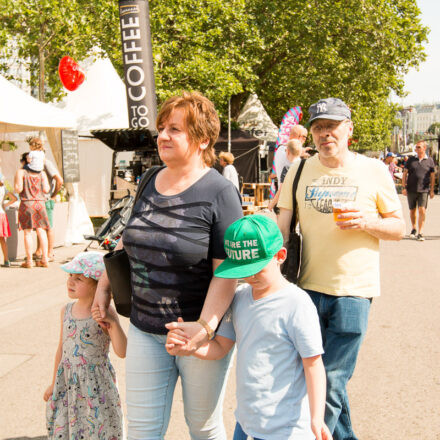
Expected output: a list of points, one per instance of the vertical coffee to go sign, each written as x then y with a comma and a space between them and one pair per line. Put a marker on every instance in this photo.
69, 145
138, 63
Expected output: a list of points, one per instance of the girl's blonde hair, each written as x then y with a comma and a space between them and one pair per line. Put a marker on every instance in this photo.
201, 120
36, 144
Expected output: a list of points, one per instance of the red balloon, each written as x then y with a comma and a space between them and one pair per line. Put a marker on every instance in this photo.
70, 73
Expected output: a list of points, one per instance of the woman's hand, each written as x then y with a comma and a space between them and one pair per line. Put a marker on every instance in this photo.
193, 332
48, 393
175, 340
101, 301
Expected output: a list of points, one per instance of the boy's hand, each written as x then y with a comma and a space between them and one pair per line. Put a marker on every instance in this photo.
321, 431
48, 393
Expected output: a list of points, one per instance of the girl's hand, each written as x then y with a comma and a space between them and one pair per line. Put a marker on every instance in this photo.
110, 319
96, 315
48, 393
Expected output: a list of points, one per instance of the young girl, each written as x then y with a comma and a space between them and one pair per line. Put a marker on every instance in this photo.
5, 231
36, 157
83, 401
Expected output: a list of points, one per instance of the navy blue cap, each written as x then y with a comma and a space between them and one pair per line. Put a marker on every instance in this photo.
329, 108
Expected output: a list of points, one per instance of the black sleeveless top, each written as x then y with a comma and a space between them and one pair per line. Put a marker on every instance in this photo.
170, 242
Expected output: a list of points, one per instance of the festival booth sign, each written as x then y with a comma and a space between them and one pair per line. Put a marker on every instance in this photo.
254, 119
20, 112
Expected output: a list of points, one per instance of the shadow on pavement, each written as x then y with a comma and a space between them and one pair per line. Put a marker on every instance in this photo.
26, 438
427, 237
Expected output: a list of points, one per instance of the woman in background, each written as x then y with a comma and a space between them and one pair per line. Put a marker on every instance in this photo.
229, 172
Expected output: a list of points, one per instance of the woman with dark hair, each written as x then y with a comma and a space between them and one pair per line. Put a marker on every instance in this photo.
174, 241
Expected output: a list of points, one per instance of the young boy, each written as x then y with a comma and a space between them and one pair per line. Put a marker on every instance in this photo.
280, 375
293, 153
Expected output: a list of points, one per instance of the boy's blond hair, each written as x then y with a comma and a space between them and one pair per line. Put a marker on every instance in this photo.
294, 147
227, 157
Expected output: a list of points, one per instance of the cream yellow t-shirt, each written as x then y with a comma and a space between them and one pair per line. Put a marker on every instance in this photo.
337, 262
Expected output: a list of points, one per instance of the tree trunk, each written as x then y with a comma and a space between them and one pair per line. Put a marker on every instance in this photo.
236, 104
41, 72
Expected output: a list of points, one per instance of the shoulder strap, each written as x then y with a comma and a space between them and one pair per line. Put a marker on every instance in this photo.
146, 177
294, 188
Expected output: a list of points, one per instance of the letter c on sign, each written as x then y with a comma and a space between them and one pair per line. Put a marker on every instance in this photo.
130, 71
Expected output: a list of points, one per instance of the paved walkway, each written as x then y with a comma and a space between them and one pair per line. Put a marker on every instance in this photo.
395, 392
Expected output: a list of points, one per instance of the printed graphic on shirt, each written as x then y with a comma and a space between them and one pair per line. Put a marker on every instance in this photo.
322, 191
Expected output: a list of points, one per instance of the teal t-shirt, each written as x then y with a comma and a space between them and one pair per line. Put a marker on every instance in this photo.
273, 334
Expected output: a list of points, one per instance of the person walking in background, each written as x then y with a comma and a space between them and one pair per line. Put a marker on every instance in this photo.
55, 182
32, 187
276, 328
82, 400
294, 150
418, 181
390, 162
229, 172
5, 231
297, 132
340, 257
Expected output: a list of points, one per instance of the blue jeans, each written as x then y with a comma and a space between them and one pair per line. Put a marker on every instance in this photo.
239, 434
344, 321
151, 376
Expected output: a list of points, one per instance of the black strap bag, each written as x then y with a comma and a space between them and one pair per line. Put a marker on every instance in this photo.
292, 265
117, 264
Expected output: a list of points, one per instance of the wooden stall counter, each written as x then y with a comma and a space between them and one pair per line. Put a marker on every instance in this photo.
257, 199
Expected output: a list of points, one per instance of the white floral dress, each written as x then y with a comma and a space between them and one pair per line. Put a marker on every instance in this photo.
85, 402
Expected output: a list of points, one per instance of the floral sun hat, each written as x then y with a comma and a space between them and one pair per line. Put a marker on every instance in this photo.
89, 264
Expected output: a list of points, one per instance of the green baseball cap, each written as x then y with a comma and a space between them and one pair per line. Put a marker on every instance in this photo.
250, 244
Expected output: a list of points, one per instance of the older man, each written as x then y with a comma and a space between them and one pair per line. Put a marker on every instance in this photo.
418, 180
340, 260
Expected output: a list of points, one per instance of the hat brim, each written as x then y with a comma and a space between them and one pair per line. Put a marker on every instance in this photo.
69, 268
332, 117
233, 270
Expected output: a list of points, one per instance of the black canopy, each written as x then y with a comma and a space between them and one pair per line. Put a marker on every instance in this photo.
244, 147
127, 139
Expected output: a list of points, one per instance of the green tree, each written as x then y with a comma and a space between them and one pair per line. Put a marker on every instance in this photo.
288, 53
40, 32
434, 128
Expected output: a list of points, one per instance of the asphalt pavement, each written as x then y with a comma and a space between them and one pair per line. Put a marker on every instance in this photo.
395, 391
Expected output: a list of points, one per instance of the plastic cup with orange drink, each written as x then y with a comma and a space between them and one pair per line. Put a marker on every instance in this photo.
340, 207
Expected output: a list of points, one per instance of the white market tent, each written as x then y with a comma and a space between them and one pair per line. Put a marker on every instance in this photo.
254, 118
99, 103
21, 112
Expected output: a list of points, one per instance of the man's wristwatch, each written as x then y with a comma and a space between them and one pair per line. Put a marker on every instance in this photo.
207, 327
